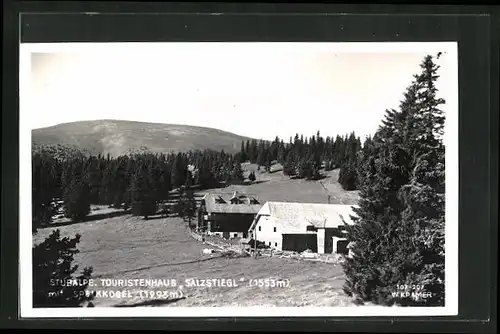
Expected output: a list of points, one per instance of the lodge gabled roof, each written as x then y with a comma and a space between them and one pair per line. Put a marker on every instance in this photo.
231, 203
291, 217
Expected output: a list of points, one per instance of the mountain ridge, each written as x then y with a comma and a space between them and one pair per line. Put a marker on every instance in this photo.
117, 137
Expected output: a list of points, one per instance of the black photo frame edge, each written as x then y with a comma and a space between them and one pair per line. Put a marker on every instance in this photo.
481, 68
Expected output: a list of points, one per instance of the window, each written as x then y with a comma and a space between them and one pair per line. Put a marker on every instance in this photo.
236, 235
275, 229
276, 244
219, 200
245, 234
269, 243
260, 228
253, 201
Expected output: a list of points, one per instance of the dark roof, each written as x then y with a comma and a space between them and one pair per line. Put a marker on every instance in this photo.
221, 203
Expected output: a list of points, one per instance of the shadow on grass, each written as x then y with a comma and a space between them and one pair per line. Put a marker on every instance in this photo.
89, 218
218, 256
158, 216
153, 302
321, 177
275, 171
249, 183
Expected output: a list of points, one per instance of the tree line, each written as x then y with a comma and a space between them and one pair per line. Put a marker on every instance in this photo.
141, 182
305, 157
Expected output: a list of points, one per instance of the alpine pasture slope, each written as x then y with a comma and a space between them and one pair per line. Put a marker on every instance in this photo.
127, 247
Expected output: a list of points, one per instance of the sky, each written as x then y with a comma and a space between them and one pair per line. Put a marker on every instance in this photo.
260, 90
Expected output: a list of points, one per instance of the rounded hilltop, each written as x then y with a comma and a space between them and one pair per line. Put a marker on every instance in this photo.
118, 137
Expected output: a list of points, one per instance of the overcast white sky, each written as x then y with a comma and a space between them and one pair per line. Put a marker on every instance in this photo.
258, 90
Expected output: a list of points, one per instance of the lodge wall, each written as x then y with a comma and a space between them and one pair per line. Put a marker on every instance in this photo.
225, 223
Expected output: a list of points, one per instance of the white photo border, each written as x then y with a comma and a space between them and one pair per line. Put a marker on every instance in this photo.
452, 196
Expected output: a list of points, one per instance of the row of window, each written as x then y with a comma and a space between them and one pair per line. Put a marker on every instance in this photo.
226, 234
275, 244
260, 229
244, 235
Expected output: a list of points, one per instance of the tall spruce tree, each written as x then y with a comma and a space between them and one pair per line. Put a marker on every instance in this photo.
95, 177
106, 191
236, 176
120, 182
262, 157
76, 195
347, 173
179, 170
243, 153
43, 189
205, 177
424, 195
289, 167
397, 239
143, 199
186, 206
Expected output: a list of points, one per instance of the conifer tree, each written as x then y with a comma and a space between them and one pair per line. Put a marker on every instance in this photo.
247, 149
267, 164
281, 152
53, 267
236, 176
106, 192
76, 195
289, 168
95, 177
186, 206
143, 200
130, 171
179, 170
243, 153
424, 195
120, 182
254, 152
262, 157
43, 189
205, 177
398, 235
347, 173
339, 151
155, 173
302, 168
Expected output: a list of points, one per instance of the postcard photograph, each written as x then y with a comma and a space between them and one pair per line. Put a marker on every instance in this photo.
238, 179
